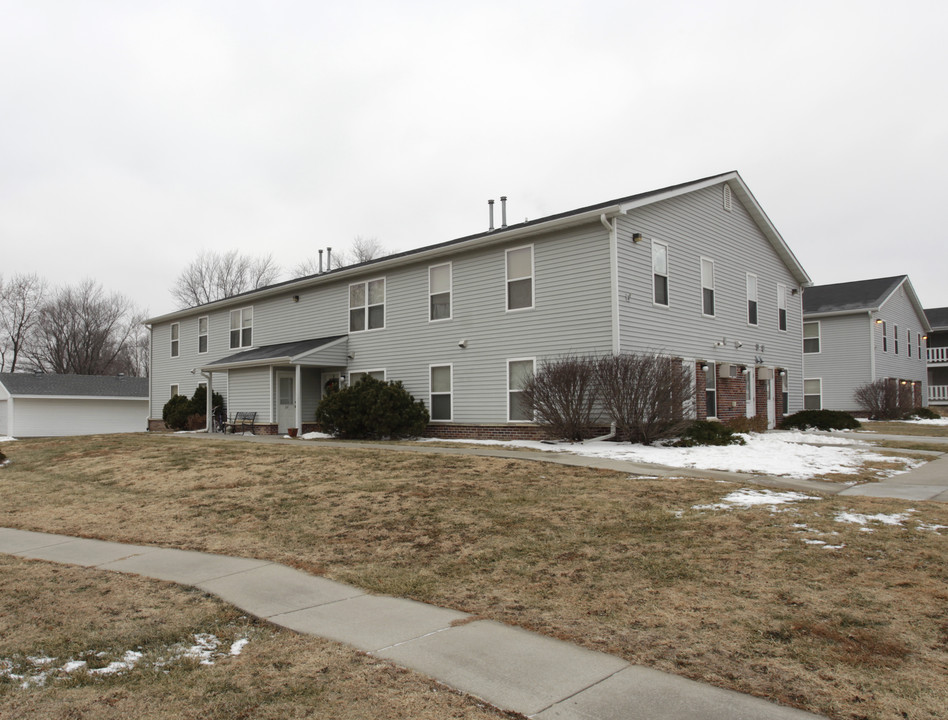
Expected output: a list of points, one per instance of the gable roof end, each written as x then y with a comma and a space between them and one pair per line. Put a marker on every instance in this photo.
859, 296
937, 318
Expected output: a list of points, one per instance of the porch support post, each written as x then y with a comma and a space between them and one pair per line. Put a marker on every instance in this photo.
298, 389
209, 403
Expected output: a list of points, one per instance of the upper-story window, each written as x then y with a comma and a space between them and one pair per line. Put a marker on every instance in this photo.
908, 339
241, 328
707, 286
919, 336
895, 338
202, 335
439, 292
811, 337
781, 307
885, 338
520, 278
751, 299
175, 339
367, 305
659, 273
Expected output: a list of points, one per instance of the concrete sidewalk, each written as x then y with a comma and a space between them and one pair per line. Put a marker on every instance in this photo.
505, 666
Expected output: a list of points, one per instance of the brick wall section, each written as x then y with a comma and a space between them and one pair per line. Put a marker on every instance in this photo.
732, 397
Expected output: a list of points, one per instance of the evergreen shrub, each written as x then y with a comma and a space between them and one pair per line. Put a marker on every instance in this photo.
820, 420
372, 410
706, 432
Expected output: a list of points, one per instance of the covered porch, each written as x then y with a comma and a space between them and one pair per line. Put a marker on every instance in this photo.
282, 383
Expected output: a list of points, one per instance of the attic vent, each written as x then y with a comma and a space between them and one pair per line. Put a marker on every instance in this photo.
727, 197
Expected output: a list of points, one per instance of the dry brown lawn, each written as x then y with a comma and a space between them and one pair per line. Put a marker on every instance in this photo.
623, 565
64, 613
904, 428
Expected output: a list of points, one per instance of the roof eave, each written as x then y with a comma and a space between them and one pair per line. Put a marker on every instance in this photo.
33, 396
837, 313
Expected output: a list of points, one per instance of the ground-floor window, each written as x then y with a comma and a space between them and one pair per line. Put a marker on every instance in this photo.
174, 390
785, 392
441, 384
711, 390
518, 373
354, 377
813, 394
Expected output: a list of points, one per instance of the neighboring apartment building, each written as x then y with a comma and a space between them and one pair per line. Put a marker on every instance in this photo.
858, 332
695, 270
938, 356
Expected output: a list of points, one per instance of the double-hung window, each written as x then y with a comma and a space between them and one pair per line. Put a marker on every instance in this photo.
367, 305
518, 373
707, 287
355, 377
781, 307
441, 395
813, 394
439, 292
751, 299
711, 390
174, 391
520, 278
241, 328
811, 337
908, 339
659, 273
919, 336
885, 338
175, 339
202, 335
895, 338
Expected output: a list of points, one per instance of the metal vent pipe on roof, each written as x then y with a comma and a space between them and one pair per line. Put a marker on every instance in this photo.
320, 261
490, 205
328, 259
503, 211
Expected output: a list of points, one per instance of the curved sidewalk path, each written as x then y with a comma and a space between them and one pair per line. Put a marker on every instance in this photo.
928, 482
508, 667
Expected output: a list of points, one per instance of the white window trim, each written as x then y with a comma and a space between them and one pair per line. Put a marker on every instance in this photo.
806, 394
366, 372
885, 337
175, 348
756, 298
533, 278
895, 339
712, 372
781, 305
450, 266
240, 345
366, 306
701, 261
175, 389
431, 393
667, 274
819, 336
207, 335
509, 390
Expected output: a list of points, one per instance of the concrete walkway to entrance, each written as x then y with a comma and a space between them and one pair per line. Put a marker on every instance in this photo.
505, 666
928, 482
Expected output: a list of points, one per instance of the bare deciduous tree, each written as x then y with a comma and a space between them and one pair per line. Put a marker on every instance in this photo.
83, 330
644, 394
214, 276
885, 399
20, 300
562, 395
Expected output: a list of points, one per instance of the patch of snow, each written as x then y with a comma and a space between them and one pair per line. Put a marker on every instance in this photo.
316, 436
860, 519
919, 421
204, 648
129, 661
814, 542
6, 438
931, 528
747, 497
74, 665
834, 547
238, 646
787, 454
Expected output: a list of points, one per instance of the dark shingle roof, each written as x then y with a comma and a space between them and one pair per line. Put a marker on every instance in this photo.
857, 295
271, 352
74, 385
937, 317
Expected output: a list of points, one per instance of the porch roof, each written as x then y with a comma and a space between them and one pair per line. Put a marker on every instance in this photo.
300, 352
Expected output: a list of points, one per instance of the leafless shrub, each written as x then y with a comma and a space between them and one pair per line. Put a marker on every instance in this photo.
20, 300
644, 394
885, 399
562, 396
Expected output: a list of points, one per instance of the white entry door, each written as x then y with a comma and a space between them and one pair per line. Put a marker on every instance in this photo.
286, 400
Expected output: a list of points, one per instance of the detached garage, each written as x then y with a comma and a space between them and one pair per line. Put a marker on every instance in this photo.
37, 404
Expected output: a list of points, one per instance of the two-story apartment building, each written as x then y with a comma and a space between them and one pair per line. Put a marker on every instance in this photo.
695, 270
859, 332
938, 356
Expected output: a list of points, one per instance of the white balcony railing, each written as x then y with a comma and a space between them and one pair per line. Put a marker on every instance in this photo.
938, 393
938, 355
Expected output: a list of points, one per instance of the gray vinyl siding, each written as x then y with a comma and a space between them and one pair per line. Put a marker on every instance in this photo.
898, 310
3, 417
249, 391
166, 371
693, 226
843, 363
571, 313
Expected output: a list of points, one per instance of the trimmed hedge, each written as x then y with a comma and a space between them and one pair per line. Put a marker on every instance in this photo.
923, 413
705, 432
820, 420
372, 410
178, 413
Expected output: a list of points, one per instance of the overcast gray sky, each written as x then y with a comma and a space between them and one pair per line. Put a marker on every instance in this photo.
135, 134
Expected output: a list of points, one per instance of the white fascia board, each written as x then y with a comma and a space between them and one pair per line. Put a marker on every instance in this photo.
141, 398
838, 313
262, 362
384, 264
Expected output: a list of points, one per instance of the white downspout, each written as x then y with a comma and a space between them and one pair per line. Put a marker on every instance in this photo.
298, 389
872, 348
611, 226
209, 401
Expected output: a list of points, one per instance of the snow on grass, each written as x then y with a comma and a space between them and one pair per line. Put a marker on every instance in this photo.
315, 436
6, 438
921, 421
35, 671
748, 498
787, 454
860, 519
